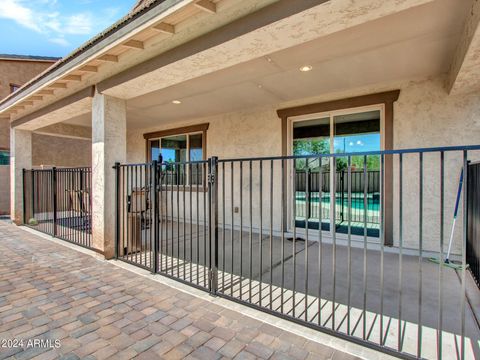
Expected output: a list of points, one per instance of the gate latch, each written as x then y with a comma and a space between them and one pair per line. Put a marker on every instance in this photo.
211, 178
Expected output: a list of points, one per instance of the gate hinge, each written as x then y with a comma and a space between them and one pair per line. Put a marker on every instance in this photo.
211, 178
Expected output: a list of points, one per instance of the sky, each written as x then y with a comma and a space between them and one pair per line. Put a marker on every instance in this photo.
55, 27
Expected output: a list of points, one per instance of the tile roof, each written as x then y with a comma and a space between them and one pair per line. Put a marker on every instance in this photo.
28, 57
142, 7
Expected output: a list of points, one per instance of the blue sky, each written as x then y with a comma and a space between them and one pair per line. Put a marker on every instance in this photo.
55, 27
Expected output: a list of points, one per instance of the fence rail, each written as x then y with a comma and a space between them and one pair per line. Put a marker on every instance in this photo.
57, 202
231, 227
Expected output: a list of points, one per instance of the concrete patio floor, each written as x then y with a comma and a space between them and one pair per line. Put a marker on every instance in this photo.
98, 310
183, 246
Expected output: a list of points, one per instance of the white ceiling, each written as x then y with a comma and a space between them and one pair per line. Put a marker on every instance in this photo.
417, 42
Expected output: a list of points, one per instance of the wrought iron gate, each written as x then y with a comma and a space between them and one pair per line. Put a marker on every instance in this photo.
57, 202
228, 226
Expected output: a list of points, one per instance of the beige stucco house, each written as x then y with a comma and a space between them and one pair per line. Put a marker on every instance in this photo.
250, 79
15, 70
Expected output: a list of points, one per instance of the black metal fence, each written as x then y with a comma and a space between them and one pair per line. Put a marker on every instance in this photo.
57, 202
236, 235
473, 235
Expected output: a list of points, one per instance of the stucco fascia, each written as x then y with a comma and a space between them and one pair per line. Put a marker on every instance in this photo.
318, 21
464, 76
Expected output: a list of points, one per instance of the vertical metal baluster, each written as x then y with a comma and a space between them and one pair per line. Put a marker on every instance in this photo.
162, 213
232, 177
190, 167
382, 240
241, 230
365, 233
260, 232
282, 225
128, 210
250, 238
271, 235
307, 216
334, 234
464, 245
400, 252
198, 224
320, 216
178, 169
135, 210
123, 205
349, 252
206, 247
420, 252
440, 265
172, 231
184, 166
294, 249
223, 227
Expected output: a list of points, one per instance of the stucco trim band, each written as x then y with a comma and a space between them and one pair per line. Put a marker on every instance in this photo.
82, 94
263, 17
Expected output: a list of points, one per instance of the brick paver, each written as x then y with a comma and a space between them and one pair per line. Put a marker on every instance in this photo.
99, 311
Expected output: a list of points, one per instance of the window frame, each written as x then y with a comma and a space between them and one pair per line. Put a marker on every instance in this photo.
385, 99
187, 131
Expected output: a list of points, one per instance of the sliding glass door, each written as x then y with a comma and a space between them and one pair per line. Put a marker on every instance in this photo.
328, 201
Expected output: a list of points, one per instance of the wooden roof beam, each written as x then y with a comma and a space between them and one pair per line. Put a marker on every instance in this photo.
57, 86
108, 57
134, 44
206, 5
72, 78
46, 92
89, 68
165, 28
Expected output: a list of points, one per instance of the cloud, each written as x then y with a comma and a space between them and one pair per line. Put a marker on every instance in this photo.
44, 17
60, 41
14, 10
80, 24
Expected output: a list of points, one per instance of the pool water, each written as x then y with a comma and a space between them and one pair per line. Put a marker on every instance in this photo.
373, 200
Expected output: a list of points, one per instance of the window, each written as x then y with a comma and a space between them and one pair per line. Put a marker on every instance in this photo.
4, 157
176, 149
14, 87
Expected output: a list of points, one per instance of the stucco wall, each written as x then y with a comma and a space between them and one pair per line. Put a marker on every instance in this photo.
425, 115
58, 151
4, 189
18, 72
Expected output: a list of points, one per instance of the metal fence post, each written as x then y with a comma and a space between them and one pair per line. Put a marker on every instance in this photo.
213, 211
117, 208
23, 198
154, 202
54, 195
33, 195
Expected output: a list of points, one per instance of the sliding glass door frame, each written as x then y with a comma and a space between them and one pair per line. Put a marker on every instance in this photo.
291, 171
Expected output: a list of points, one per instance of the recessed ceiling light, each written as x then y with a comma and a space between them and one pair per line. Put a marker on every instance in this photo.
176, 102
306, 68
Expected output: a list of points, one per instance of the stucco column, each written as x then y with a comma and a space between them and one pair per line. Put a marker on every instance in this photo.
109, 132
20, 158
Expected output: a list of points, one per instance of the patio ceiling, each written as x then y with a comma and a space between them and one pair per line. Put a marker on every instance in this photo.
405, 45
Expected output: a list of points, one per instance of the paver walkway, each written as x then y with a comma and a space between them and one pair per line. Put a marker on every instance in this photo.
97, 310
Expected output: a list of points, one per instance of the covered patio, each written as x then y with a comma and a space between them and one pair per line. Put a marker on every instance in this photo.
226, 143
